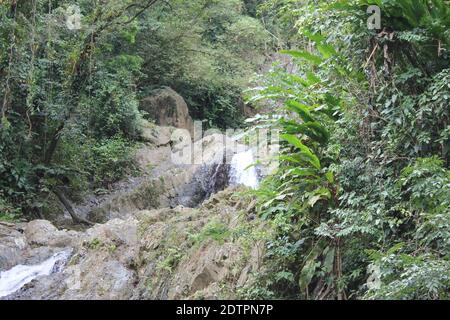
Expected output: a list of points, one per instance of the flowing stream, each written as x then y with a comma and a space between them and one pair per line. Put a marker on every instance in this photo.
243, 170
15, 278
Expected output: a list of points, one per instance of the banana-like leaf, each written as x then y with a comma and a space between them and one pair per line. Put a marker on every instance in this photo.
326, 50
316, 60
299, 80
292, 127
289, 159
320, 129
293, 140
330, 176
312, 78
316, 37
301, 109
314, 130
302, 172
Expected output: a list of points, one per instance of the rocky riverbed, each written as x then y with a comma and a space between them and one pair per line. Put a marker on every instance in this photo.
173, 232
168, 234
153, 254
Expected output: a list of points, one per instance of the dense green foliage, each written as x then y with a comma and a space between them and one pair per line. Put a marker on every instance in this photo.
217, 49
360, 203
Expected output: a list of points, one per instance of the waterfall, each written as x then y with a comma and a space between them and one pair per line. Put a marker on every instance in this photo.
15, 278
242, 170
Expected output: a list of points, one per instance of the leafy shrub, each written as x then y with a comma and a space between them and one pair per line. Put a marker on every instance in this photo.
112, 159
363, 211
61, 92
8, 212
214, 230
412, 277
112, 109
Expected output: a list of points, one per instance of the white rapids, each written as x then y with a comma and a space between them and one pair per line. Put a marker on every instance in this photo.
15, 278
243, 170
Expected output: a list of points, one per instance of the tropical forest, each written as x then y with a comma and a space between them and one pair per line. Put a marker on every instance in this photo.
224, 150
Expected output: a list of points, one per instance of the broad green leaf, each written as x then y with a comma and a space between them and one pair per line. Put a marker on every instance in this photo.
292, 127
316, 60
302, 172
307, 273
293, 140
330, 176
316, 37
312, 78
301, 109
299, 80
319, 129
326, 50
324, 192
288, 158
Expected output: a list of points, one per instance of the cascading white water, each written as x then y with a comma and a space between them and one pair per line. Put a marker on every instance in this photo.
242, 170
15, 278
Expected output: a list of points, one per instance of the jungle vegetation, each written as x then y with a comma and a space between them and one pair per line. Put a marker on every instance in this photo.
360, 205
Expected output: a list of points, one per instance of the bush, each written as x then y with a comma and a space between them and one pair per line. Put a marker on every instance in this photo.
7, 211
111, 160
377, 226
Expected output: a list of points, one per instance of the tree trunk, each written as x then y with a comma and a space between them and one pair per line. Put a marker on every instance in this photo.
50, 151
62, 197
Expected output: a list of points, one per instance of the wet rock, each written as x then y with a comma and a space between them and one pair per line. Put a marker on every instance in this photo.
101, 266
9, 257
153, 243
42, 288
156, 254
199, 270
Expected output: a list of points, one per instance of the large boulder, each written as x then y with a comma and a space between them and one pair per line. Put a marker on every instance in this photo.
12, 244
156, 136
43, 233
168, 108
